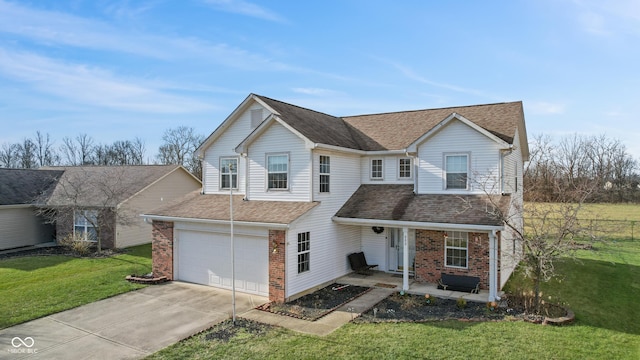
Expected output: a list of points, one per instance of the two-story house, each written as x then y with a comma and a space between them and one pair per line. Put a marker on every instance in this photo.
299, 190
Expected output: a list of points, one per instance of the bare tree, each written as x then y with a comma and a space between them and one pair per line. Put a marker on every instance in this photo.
27, 154
179, 148
89, 196
550, 231
9, 155
45, 151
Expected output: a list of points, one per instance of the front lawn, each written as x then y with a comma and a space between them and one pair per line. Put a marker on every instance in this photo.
36, 286
602, 288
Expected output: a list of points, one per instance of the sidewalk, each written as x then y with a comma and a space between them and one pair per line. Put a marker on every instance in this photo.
326, 324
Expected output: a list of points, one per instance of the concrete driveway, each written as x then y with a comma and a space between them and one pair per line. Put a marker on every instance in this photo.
127, 326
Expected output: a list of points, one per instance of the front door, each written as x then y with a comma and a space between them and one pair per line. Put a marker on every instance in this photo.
396, 250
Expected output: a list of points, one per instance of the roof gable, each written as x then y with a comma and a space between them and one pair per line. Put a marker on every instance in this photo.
100, 186
448, 120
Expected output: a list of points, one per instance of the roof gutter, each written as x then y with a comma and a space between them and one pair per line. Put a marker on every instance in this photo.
355, 151
416, 224
276, 226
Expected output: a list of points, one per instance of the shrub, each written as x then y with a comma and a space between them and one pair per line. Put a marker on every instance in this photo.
461, 303
75, 244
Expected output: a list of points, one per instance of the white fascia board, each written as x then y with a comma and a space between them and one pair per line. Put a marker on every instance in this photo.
243, 147
416, 224
414, 146
18, 206
224, 125
358, 152
211, 221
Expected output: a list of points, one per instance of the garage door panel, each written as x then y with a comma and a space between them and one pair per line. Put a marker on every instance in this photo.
205, 258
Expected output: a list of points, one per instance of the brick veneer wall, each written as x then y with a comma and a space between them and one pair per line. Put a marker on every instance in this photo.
430, 261
162, 249
65, 224
277, 241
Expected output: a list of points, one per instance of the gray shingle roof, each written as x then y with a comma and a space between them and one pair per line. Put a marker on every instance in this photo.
398, 202
104, 185
26, 186
396, 130
216, 207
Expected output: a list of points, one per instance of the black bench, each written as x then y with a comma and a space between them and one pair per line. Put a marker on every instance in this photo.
459, 283
359, 263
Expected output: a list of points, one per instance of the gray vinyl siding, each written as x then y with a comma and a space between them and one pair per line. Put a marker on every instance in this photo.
279, 140
131, 229
457, 137
330, 242
224, 147
390, 170
19, 226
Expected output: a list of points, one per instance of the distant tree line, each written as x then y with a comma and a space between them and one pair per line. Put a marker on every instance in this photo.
597, 163
178, 147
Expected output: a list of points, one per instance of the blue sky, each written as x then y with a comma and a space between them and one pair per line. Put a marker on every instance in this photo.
123, 69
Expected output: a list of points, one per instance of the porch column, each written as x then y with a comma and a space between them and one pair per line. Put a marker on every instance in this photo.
493, 266
405, 259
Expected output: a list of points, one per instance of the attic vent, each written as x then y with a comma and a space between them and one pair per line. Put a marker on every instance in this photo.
256, 118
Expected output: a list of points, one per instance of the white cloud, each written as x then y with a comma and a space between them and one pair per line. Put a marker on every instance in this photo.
609, 17
315, 91
245, 8
55, 28
93, 86
544, 108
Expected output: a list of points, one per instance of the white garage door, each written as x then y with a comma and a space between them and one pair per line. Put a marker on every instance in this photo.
205, 258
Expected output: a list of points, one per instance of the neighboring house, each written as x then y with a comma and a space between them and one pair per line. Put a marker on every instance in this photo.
107, 201
51, 203
409, 189
20, 225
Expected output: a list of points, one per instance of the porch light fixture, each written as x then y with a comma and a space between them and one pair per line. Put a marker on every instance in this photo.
377, 229
275, 247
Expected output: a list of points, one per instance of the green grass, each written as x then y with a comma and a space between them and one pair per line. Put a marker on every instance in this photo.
602, 287
36, 286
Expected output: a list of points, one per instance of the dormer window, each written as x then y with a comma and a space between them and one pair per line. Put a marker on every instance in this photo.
456, 171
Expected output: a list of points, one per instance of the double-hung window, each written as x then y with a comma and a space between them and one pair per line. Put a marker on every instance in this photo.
404, 168
376, 169
457, 171
456, 249
303, 251
229, 173
277, 171
84, 224
325, 170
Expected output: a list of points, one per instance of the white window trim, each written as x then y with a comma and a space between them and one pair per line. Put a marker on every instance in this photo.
237, 159
266, 162
85, 223
320, 174
371, 169
444, 168
307, 251
410, 169
456, 247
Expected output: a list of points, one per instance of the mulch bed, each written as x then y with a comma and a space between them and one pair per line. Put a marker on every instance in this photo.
226, 330
417, 308
317, 304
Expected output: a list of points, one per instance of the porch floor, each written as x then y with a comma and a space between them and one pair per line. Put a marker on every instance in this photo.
381, 279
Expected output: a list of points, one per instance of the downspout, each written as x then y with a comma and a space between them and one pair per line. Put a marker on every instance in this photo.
493, 266
405, 259
414, 168
246, 176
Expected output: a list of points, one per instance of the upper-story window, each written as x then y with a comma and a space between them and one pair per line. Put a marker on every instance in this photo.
457, 171
404, 168
376, 169
228, 173
278, 171
325, 170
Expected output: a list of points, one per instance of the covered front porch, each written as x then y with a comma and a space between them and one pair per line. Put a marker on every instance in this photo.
381, 279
